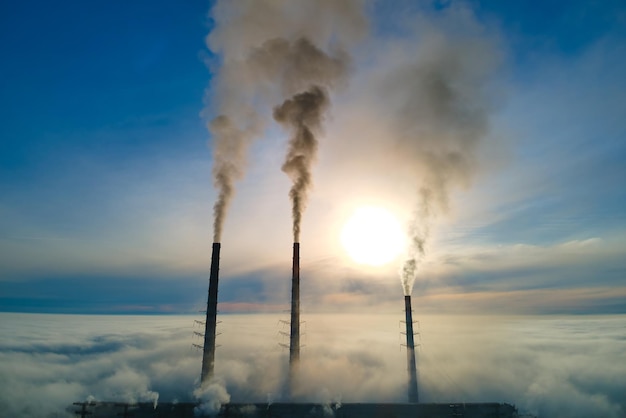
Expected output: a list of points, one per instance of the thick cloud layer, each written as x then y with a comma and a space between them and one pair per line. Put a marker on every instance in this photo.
548, 366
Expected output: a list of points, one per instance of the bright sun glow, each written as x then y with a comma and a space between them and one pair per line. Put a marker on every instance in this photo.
372, 236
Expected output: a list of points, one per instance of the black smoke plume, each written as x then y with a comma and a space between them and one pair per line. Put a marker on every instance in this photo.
304, 72
302, 115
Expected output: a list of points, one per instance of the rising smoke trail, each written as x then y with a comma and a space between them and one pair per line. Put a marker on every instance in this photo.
442, 118
301, 114
309, 72
271, 51
229, 158
419, 232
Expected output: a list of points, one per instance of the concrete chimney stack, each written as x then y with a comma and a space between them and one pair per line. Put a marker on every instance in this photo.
410, 352
294, 336
208, 356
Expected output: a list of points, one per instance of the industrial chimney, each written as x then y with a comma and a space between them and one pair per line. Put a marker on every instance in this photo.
208, 355
410, 352
294, 336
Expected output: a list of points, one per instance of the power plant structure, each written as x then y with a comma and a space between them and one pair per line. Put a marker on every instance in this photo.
410, 409
210, 326
297, 410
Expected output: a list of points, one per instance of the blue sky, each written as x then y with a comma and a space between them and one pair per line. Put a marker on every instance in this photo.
105, 166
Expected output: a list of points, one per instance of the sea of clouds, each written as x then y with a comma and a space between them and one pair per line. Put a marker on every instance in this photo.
550, 366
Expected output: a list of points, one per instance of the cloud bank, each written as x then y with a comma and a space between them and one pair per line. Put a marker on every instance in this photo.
557, 367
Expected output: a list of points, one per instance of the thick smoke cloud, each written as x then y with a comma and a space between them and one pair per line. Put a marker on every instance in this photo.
550, 366
270, 51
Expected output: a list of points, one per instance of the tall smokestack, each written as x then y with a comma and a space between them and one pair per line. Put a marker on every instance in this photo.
410, 352
208, 355
294, 339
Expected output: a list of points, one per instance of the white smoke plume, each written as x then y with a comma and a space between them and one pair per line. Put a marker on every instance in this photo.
440, 114
211, 396
229, 154
272, 50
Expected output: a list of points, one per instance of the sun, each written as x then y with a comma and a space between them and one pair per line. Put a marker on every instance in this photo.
373, 236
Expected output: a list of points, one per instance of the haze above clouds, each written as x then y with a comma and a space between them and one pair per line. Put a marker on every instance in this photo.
106, 178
